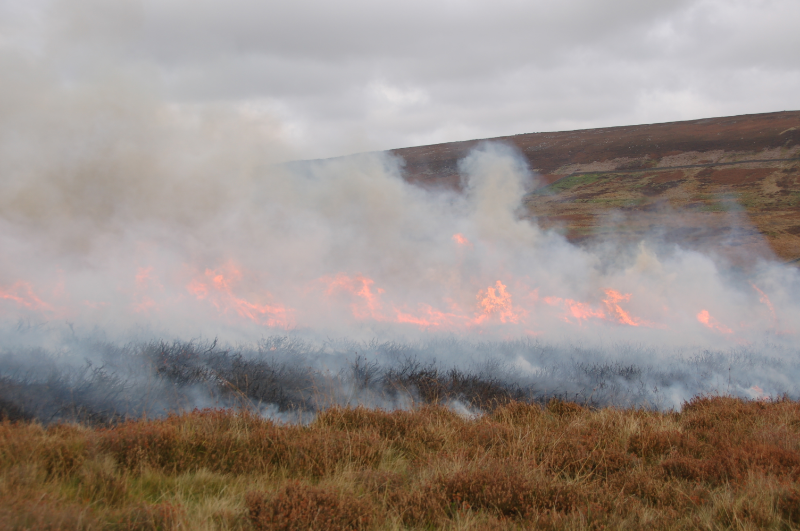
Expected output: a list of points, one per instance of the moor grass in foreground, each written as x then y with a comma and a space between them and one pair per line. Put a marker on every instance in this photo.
721, 463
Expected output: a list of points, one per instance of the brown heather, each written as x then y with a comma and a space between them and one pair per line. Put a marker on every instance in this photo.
720, 463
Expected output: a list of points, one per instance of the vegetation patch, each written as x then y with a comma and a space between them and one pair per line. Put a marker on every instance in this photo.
571, 181
719, 463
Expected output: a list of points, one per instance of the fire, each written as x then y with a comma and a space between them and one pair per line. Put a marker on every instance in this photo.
765, 300
612, 304
498, 301
216, 285
22, 293
757, 393
360, 287
460, 239
431, 318
223, 288
581, 311
578, 310
705, 318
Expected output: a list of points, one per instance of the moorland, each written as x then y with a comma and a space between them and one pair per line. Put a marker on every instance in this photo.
467, 452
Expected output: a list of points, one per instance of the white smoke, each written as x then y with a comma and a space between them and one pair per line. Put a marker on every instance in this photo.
125, 215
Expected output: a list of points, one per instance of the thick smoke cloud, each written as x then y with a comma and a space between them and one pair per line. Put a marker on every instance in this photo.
130, 215
139, 227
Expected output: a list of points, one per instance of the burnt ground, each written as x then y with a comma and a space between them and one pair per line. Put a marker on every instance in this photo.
731, 184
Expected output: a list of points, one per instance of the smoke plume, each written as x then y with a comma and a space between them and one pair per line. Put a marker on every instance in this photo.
126, 220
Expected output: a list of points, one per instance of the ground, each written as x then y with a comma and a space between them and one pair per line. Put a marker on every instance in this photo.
732, 184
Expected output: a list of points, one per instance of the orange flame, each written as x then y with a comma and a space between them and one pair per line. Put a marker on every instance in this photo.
705, 318
612, 304
765, 300
22, 293
581, 311
498, 301
460, 239
360, 287
432, 318
759, 393
217, 285
578, 310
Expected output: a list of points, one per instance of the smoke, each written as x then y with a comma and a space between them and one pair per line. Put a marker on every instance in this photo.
127, 219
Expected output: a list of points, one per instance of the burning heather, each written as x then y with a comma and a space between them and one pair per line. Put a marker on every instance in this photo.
337, 282
158, 259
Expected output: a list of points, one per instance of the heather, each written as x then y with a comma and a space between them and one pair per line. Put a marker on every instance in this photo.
718, 463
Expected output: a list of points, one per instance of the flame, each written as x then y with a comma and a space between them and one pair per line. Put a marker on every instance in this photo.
217, 285
498, 301
461, 240
578, 310
581, 311
705, 318
612, 304
765, 300
360, 287
758, 394
223, 288
22, 293
431, 318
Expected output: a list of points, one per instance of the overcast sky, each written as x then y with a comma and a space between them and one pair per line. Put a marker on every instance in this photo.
336, 77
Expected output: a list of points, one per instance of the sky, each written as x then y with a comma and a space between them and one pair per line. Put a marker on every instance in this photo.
332, 78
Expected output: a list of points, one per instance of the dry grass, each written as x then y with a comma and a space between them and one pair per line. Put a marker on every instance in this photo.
721, 463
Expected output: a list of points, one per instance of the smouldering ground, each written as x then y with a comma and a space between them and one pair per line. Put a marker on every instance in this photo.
720, 463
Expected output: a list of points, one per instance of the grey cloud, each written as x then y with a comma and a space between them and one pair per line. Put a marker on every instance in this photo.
477, 69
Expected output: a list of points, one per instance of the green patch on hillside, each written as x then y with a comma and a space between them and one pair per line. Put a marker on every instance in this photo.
569, 182
614, 202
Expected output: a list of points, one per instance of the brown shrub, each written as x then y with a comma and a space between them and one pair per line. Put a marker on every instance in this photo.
302, 507
723, 416
517, 414
569, 455
557, 497
98, 482
654, 444
305, 452
411, 432
648, 487
504, 491
715, 471
389, 424
788, 505
44, 514
769, 458
151, 517
135, 444
426, 505
562, 409
231, 442
609, 462
380, 481
485, 436
63, 457
587, 454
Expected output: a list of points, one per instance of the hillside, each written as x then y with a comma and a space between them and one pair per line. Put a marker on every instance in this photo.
729, 183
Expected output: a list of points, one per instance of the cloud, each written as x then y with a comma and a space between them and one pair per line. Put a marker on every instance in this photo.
364, 75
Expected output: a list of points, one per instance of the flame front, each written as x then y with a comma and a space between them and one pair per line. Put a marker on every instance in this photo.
509, 304
497, 301
217, 285
462, 240
22, 294
705, 318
